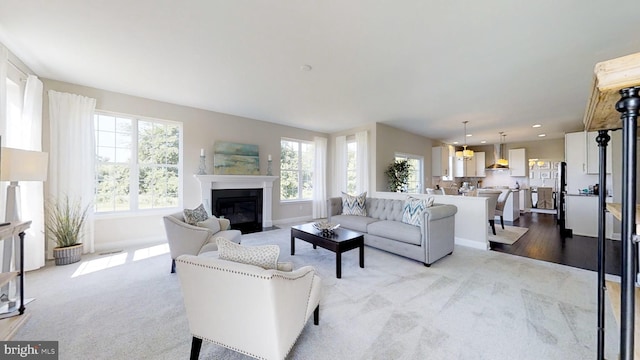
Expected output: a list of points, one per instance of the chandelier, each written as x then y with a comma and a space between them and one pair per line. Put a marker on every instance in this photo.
465, 154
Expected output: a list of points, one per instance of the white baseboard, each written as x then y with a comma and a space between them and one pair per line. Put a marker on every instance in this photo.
292, 220
471, 243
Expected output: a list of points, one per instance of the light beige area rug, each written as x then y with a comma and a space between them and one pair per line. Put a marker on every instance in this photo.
509, 235
471, 305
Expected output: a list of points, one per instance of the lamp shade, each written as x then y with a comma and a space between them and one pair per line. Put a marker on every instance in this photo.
23, 165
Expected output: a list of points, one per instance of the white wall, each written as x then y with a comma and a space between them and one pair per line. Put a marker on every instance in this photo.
201, 130
390, 140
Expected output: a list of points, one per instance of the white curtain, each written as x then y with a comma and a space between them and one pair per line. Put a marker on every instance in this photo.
362, 162
7, 245
320, 178
340, 165
72, 152
26, 133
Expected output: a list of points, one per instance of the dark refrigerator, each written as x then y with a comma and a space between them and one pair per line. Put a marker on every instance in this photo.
561, 193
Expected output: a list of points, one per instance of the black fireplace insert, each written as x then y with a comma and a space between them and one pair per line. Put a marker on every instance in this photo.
243, 208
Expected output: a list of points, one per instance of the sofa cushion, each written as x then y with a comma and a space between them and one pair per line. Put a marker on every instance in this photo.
396, 230
353, 222
354, 204
211, 223
265, 256
192, 216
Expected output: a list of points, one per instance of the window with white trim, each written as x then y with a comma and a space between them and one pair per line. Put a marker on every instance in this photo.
414, 184
138, 163
296, 169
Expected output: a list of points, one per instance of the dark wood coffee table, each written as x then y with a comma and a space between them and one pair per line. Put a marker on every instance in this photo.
339, 241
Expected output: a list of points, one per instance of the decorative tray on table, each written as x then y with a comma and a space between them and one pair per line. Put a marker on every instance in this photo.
325, 227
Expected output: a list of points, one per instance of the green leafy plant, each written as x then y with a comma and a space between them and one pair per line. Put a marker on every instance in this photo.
65, 220
398, 175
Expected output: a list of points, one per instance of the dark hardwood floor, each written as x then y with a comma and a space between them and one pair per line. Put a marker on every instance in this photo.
543, 242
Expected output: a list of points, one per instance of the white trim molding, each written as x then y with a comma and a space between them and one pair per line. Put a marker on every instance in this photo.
220, 182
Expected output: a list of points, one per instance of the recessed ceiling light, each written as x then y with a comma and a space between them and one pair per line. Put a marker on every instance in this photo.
455, 142
306, 67
542, 135
469, 135
483, 142
537, 125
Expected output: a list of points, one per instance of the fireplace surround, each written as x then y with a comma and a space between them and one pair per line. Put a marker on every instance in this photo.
220, 182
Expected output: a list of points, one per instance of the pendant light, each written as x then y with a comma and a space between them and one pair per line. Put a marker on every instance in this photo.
502, 161
465, 154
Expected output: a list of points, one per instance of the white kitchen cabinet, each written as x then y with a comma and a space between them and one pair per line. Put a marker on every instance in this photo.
593, 154
582, 216
441, 162
518, 162
480, 164
465, 167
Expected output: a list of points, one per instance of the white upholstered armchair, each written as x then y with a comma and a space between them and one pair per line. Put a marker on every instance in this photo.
189, 239
246, 308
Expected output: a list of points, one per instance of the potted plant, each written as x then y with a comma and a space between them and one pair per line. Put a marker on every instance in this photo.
65, 220
398, 175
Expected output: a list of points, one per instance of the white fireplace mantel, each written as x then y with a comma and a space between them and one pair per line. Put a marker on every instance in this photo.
220, 182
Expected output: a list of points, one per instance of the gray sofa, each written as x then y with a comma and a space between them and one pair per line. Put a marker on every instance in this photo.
383, 228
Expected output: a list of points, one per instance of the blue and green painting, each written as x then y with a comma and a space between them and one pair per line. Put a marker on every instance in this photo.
235, 159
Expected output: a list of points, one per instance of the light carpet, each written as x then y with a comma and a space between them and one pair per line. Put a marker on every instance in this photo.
473, 304
508, 235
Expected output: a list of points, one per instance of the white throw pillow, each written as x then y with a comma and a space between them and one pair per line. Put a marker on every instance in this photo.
211, 223
354, 204
265, 256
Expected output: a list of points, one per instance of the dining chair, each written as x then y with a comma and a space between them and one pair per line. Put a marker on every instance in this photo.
491, 206
502, 200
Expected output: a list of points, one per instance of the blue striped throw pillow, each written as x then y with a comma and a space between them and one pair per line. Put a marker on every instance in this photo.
413, 211
354, 204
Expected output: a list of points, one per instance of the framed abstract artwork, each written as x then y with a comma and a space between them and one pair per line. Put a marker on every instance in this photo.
235, 159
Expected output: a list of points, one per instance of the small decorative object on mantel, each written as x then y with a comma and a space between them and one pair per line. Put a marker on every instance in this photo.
202, 169
325, 227
65, 221
269, 170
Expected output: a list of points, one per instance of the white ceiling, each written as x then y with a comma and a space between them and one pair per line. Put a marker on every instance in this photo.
420, 65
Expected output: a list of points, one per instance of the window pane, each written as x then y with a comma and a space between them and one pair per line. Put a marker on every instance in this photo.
158, 143
112, 190
106, 123
307, 185
106, 139
106, 154
122, 140
288, 185
307, 154
289, 155
158, 187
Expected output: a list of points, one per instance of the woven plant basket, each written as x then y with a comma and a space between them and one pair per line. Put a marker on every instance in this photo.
67, 255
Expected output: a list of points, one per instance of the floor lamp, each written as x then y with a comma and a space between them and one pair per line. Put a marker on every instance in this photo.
17, 165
